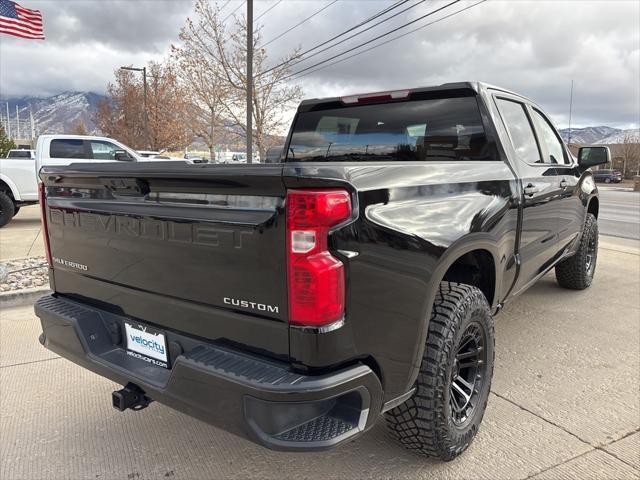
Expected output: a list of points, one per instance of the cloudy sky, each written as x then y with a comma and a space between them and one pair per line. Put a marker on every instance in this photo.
533, 47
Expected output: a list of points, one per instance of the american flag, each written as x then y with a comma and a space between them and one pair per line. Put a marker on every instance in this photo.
20, 21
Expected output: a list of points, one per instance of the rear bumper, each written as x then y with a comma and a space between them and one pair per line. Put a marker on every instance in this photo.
243, 394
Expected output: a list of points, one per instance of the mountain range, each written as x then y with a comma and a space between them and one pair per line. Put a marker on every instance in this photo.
56, 114
61, 113
601, 135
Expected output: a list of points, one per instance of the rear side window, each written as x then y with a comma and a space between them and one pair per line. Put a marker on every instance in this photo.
419, 130
520, 130
67, 148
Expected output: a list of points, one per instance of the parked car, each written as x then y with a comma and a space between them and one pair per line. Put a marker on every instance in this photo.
357, 279
18, 184
607, 176
18, 172
195, 158
21, 153
147, 153
275, 154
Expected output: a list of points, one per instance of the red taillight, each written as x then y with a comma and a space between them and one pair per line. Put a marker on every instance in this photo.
43, 219
316, 278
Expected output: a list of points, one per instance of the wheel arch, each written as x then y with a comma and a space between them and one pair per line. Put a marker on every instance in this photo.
593, 206
471, 247
6, 184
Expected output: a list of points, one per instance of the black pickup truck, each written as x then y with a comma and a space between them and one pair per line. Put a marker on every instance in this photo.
297, 303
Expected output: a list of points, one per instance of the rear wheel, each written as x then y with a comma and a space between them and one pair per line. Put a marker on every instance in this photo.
577, 272
452, 388
16, 209
7, 209
607, 180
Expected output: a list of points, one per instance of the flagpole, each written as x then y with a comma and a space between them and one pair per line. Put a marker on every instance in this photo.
17, 123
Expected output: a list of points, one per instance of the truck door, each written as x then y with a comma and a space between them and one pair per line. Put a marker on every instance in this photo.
570, 210
541, 192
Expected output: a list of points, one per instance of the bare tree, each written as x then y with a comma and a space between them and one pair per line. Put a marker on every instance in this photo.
206, 93
629, 153
224, 54
121, 115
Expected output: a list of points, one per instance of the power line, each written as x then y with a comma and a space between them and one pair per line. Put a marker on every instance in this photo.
234, 11
224, 6
268, 10
373, 39
357, 33
298, 24
349, 30
297, 74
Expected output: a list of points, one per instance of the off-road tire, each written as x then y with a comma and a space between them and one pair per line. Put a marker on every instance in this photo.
424, 423
577, 271
7, 209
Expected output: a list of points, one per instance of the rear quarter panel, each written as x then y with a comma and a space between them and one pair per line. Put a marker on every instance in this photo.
414, 221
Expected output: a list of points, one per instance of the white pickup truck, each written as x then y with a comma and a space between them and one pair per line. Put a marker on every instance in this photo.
18, 173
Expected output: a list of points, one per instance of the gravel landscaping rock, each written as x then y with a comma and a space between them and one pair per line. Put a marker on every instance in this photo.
23, 273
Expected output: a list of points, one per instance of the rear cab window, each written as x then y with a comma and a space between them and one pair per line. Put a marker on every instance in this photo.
20, 154
438, 129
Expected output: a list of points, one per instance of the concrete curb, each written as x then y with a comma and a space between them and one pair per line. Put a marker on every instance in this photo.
18, 298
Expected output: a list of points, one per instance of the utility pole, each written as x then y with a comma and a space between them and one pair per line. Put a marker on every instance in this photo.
8, 122
33, 126
146, 112
17, 123
249, 81
570, 111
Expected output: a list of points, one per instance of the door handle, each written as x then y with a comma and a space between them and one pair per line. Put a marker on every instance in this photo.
531, 190
563, 184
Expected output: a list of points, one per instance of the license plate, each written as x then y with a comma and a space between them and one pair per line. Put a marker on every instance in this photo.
147, 344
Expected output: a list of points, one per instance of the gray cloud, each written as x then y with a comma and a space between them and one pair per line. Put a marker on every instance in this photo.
533, 47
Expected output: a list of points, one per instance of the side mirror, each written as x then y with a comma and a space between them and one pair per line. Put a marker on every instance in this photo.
121, 156
592, 156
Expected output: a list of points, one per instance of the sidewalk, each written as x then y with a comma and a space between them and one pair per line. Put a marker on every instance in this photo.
21, 238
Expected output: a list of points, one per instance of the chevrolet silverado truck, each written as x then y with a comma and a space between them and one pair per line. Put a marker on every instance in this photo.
297, 303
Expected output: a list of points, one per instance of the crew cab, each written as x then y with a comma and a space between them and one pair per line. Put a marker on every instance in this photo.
19, 171
296, 303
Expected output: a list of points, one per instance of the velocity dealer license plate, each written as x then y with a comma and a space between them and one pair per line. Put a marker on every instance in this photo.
147, 344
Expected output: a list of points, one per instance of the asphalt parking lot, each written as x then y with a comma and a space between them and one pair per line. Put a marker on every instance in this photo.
564, 404
619, 211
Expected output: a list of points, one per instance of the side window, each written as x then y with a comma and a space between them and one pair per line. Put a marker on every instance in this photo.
520, 130
67, 148
555, 151
104, 150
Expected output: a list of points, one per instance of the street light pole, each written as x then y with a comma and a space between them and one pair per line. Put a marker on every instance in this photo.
146, 113
249, 81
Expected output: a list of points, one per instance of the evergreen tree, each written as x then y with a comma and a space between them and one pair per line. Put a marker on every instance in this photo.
6, 143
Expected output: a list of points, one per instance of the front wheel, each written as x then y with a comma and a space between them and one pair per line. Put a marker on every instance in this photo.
452, 389
577, 272
7, 209
607, 180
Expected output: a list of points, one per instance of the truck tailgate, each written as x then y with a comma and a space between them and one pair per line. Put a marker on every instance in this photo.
199, 249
